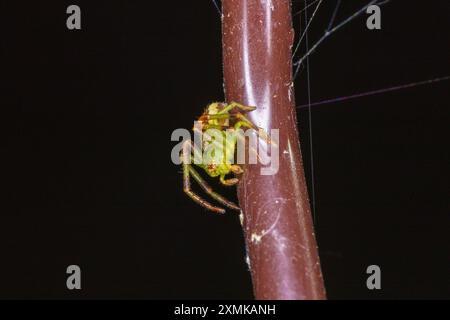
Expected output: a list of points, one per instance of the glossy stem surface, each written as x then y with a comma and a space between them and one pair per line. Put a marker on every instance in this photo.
278, 226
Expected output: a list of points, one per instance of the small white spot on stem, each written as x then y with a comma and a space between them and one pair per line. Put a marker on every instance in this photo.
256, 238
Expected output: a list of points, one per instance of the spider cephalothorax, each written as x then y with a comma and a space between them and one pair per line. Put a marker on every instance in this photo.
227, 119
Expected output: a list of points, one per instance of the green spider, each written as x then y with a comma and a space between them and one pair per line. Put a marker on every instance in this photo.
223, 117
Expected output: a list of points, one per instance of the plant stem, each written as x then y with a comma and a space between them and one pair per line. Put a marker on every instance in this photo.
278, 227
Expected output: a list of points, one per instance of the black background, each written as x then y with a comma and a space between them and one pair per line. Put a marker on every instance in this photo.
86, 119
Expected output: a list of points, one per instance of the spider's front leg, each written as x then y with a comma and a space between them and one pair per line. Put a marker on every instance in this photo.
189, 171
243, 121
235, 105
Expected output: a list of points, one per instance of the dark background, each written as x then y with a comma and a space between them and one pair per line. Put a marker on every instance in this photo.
86, 119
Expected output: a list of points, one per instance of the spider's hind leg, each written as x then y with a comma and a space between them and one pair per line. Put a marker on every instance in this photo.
188, 170
187, 187
205, 186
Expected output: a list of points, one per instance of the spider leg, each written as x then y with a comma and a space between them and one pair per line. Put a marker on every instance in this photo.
236, 169
235, 105
188, 171
210, 191
214, 126
228, 182
243, 120
187, 184
217, 116
241, 138
204, 125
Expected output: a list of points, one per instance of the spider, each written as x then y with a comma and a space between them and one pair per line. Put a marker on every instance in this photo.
220, 116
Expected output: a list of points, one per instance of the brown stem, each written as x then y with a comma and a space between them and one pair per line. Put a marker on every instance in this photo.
283, 257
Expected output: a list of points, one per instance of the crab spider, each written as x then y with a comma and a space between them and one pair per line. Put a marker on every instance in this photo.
220, 116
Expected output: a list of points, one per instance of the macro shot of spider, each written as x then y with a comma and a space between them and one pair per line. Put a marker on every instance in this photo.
227, 119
